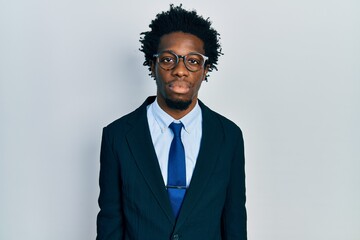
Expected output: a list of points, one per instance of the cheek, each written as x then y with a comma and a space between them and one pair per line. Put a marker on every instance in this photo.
160, 74
201, 75
201, 78
197, 84
160, 80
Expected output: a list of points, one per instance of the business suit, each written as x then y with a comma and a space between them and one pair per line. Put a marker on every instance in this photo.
133, 198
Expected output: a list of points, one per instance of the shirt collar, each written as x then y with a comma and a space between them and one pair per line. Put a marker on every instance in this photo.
163, 119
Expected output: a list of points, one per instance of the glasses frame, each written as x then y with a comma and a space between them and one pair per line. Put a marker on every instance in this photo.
178, 60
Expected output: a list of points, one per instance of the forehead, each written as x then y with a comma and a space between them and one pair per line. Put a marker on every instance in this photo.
181, 43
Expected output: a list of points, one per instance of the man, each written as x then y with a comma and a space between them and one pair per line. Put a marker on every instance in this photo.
173, 168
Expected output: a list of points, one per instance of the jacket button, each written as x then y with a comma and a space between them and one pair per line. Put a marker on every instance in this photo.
175, 237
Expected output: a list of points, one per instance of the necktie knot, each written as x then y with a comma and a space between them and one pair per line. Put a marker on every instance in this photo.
176, 128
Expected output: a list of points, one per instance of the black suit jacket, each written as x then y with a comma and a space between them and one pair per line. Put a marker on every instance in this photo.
133, 199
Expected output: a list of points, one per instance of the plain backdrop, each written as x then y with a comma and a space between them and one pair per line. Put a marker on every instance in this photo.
290, 78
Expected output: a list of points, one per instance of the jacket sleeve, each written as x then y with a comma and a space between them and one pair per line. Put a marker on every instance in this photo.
109, 219
234, 213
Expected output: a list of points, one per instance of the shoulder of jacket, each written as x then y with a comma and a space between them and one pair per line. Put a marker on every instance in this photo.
124, 123
227, 124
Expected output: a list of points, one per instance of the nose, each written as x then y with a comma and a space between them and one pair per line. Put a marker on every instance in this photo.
180, 68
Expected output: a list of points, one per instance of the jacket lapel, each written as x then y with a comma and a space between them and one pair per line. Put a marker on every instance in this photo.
212, 135
140, 144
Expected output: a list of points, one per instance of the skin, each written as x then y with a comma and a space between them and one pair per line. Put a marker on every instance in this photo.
178, 84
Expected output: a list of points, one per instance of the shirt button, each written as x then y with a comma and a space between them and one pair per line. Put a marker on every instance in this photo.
175, 237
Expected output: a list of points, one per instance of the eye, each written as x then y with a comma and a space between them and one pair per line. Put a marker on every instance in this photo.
194, 61
167, 59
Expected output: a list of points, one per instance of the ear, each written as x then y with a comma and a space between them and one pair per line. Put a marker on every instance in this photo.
152, 67
206, 70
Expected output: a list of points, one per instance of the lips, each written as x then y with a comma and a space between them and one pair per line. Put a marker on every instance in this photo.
179, 87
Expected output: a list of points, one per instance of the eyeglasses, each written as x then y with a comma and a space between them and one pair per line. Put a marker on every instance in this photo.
168, 60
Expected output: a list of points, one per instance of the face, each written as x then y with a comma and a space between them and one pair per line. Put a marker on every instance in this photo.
178, 88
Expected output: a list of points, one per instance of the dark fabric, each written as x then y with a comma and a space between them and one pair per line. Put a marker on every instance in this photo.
133, 200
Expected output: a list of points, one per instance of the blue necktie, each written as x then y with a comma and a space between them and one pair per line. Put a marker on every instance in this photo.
176, 185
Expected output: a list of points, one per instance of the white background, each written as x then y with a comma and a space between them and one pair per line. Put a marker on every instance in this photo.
290, 78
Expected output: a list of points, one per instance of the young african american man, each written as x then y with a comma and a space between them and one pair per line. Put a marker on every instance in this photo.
173, 168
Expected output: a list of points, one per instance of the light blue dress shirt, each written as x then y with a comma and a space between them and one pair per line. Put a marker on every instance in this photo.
162, 136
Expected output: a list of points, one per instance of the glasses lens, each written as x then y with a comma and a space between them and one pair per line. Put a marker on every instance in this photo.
167, 60
194, 61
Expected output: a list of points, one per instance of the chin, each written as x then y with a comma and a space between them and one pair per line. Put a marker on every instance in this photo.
178, 104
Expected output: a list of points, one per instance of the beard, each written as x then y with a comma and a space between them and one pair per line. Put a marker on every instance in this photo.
177, 104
